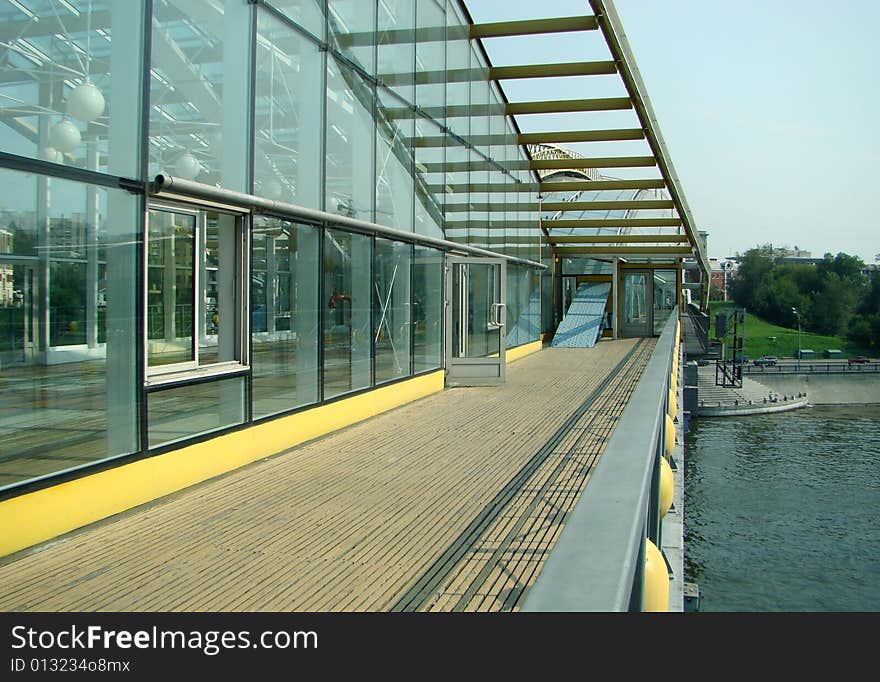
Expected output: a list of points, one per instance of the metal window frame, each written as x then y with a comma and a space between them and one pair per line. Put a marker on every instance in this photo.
166, 376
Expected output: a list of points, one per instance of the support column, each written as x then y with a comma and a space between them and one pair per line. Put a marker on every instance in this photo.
615, 307
234, 150
271, 286
91, 233
361, 307
124, 230
304, 292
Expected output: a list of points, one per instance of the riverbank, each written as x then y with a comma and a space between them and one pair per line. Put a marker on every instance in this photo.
827, 389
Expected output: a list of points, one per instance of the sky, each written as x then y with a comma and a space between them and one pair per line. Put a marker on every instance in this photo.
768, 109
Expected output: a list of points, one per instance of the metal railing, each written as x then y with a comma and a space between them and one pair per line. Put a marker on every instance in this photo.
813, 367
598, 561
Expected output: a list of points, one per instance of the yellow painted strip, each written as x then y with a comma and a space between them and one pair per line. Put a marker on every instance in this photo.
522, 351
44, 514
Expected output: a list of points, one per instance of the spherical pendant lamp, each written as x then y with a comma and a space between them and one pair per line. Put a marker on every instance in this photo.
272, 189
86, 102
64, 136
51, 154
187, 167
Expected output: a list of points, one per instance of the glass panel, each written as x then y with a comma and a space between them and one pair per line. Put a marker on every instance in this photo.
71, 87
200, 78
284, 317
289, 88
69, 386
347, 290
635, 306
396, 51
187, 411
219, 319
431, 56
664, 296
482, 336
391, 310
350, 134
535, 280
427, 312
307, 13
170, 287
394, 169
352, 27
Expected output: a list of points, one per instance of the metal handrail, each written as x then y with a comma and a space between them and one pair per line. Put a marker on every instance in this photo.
813, 367
598, 561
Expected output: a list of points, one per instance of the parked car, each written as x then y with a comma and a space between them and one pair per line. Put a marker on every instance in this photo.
858, 360
766, 361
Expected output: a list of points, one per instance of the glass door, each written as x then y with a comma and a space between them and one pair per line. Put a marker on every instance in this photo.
476, 322
635, 303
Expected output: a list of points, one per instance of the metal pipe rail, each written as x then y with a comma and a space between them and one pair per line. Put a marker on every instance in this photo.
166, 185
811, 367
598, 561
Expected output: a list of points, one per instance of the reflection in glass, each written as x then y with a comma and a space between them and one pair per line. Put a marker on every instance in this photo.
427, 309
391, 306
350, 135
199, 80
289, 87
170, 287
394, 169
70, 90
664, 296
635, 303
186, 411
347, 308
352, 28
284, 315
307, 13
67, 325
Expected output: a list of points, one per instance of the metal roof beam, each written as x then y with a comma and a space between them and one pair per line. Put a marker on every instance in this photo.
491, 207
557, 70
534, 138
568, 105
582, 136
619, 239
607, 205
595, 162
500, 29
613, 222
599, 185
632, 251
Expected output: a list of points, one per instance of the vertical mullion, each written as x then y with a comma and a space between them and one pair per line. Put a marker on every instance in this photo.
412, 290
373, 296
322, 296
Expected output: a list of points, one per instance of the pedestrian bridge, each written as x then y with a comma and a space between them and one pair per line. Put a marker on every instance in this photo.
453, 502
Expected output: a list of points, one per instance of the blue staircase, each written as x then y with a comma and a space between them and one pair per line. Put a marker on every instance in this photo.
582, 325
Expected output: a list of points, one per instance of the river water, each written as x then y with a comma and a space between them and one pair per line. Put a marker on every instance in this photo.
782, 512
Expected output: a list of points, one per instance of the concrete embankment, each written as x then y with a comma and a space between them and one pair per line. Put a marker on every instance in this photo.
826, 389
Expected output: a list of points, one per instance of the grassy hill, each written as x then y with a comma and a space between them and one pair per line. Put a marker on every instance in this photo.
758, 338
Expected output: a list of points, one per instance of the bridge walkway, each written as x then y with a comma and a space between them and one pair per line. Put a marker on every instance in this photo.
449, 503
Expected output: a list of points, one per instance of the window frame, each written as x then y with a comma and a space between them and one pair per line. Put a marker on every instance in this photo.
189, 371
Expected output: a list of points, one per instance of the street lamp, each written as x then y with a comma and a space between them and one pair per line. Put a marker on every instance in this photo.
795, 311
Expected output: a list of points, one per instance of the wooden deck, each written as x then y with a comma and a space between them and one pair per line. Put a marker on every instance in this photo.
449, 503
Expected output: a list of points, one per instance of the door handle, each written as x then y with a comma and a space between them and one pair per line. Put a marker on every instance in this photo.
498, 314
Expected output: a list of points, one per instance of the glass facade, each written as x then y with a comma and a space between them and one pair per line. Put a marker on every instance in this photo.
129, 322
68, 325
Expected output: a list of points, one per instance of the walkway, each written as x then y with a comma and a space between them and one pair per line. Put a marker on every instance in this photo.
450, 503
